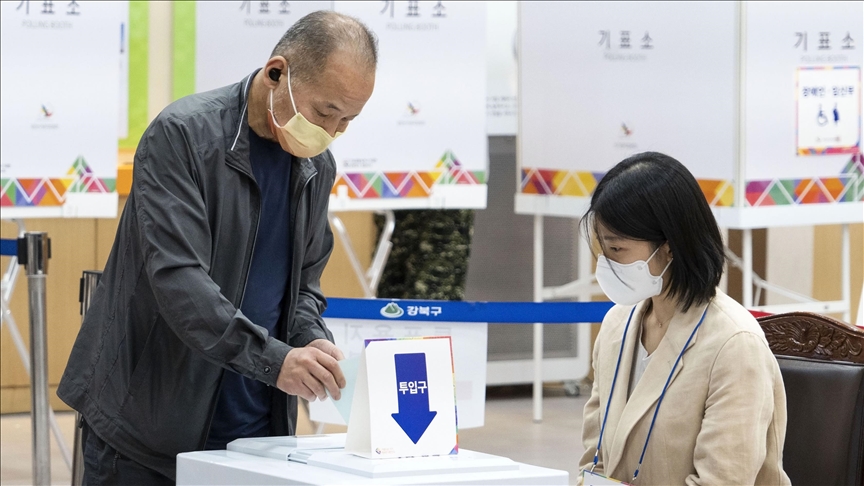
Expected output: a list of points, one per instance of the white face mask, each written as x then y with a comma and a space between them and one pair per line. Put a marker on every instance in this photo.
631, 283
299, 136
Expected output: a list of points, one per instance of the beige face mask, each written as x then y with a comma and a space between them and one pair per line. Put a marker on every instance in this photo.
299, 136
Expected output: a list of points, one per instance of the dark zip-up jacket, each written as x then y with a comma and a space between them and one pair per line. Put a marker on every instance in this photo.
165, 321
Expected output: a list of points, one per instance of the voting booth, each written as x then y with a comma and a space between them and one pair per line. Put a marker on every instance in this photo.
760, 101
60, 135
501, 68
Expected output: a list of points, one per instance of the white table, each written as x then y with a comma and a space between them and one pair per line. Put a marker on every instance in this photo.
468, 467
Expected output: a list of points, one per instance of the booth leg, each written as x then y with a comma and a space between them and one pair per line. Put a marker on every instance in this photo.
747, 268
382, 252
586, 275
846, 274
538, 327
860, 319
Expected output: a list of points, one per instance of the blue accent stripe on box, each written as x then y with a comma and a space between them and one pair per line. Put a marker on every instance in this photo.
455, 311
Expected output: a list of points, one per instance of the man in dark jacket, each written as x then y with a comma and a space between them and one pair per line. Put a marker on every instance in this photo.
211, 296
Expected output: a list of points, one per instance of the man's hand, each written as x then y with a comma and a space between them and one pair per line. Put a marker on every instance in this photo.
327, 347
307, 372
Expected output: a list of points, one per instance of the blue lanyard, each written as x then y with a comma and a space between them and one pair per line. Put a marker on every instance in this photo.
659, 401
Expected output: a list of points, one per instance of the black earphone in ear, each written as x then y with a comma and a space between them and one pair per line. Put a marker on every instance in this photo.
274, 74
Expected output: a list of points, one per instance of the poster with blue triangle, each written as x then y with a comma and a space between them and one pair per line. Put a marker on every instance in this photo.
404, 401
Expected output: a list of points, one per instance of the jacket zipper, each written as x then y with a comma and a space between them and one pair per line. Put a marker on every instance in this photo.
243, 296
292, 302
254, 242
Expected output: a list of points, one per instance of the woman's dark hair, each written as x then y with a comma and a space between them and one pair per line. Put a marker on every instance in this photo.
653, 197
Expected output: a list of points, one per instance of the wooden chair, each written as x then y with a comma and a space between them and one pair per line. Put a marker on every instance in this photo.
822, 363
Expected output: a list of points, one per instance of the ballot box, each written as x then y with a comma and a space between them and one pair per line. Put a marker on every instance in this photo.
315, 460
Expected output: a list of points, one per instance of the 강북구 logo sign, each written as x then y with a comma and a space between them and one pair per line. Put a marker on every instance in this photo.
392, 311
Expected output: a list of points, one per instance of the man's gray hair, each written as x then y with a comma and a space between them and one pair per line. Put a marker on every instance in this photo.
308, 43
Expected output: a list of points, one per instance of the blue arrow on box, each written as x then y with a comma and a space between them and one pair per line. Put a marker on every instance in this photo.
414, 415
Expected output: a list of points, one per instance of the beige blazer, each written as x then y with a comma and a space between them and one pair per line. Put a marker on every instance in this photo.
723, 420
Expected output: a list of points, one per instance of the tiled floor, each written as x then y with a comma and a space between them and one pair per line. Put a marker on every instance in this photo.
509, 431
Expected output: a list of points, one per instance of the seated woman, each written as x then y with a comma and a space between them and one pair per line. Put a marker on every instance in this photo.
686, 390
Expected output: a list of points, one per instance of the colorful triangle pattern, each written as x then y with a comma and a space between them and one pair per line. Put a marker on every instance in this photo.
28, 192
846, 187
372, 185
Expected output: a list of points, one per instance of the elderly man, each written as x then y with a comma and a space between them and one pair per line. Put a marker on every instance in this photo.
211, 296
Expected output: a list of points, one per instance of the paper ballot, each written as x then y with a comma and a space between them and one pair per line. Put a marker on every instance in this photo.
285, 448
349, 368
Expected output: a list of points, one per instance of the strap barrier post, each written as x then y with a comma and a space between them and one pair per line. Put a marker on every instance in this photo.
34, 250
